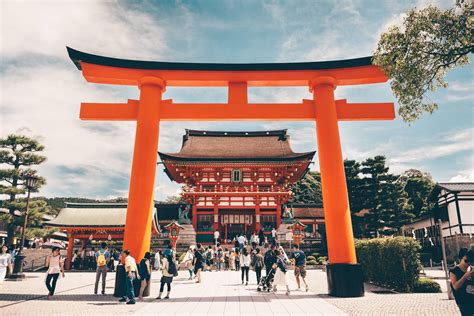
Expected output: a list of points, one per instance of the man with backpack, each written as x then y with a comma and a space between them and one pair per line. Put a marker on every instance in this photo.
102, 257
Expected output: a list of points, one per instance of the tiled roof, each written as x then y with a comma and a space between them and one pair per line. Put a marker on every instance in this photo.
457, 186
211, 145
91, 215
308, 212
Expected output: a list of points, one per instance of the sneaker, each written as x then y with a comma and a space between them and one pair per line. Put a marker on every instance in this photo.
130, 302
246, 283
123, 299
287, 293
167, 297
158, 298
103, 293
307, 288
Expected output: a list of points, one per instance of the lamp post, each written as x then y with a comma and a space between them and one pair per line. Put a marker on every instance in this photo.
30, 183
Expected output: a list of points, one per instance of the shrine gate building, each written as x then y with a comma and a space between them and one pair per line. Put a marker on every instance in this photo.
236, 182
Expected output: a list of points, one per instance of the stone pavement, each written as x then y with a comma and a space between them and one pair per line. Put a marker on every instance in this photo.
220, 293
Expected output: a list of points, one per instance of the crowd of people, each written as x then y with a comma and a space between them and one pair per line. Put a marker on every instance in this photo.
256, 254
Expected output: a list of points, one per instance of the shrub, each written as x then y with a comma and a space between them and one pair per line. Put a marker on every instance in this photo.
311, 262
425, 285
391, 262
322, 260
310, 258
315, 254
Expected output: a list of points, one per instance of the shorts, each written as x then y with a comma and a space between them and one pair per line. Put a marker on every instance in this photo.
300, 271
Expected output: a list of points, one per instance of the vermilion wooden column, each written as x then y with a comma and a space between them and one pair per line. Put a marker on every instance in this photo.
195, 217
345, 276
216, 217
70, 247
257, 218
337, 214
278, 216
140, 198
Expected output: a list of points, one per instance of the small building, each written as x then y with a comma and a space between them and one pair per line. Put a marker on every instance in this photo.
454, 207
235, 182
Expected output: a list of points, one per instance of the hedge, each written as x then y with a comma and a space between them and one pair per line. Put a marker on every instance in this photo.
311, 262
390, 262
425, 285
310, 258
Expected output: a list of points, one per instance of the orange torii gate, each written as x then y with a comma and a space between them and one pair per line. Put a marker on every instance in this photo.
152, 78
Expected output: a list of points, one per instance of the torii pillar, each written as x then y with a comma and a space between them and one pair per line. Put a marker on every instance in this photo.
345, 277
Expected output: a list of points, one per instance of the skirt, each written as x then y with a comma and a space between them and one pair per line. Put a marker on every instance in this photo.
280, 278
3, 273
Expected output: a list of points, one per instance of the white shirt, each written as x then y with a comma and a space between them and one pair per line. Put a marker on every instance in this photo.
241, 239
245, 260
54, 264
5, 260
216, 235
274, 232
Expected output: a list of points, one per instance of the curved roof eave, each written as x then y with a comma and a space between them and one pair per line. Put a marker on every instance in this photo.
77, 57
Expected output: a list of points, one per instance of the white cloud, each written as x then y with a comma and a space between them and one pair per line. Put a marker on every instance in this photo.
103, 27
467, 176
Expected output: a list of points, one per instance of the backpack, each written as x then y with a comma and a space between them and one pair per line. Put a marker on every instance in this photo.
101, 260
172, 268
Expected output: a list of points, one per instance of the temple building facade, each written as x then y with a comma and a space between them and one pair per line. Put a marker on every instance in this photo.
235, 182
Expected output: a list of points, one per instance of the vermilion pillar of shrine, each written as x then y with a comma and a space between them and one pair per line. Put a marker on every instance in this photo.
343, 272
140, 199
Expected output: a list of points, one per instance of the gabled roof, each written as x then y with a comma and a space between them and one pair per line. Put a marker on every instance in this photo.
236, 146
457, 186
91, 215
308, 211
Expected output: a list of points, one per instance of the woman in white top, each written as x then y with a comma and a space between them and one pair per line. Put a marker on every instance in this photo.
245, 264
188, 262
5, 262
281, 277
55, 265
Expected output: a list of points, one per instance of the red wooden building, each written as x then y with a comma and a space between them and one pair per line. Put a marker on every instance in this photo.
235, 181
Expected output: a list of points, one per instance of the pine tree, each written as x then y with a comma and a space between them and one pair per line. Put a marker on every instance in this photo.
355, 192
418, 186
18, 153
308, 189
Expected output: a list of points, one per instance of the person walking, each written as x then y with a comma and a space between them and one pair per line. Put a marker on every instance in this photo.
241, 240
237, 259
130, 276
216, 237
281, 277
261, 238
5, 263
299, 259
232, 256
102, 258
245, 261
144, 270
198, 262
270, 259
274, 235
55, 266
462, 284
168, 269
157, 263
219, 258
188, 262
257, 264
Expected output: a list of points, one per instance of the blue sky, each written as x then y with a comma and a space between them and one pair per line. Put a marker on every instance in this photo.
41, 90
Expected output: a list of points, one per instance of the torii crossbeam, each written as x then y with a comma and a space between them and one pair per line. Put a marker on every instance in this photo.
152, 78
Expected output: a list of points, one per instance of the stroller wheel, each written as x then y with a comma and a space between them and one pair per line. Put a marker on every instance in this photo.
259, 289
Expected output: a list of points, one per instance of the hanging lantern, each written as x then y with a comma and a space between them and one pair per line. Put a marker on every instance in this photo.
109, 237
91, 237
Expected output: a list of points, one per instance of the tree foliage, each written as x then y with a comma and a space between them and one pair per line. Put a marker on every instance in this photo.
417, 56
308, 189
17, 155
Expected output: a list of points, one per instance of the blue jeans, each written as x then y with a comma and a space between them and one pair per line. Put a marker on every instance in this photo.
129, 286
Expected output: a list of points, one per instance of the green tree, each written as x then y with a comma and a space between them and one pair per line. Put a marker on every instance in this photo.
417, 56
418, 186
18, 153
385, 199
308, 189
356, 193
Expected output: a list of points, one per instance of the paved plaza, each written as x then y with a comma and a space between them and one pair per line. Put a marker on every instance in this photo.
219, 293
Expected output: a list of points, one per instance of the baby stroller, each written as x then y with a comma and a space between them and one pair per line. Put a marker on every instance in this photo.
265, 283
